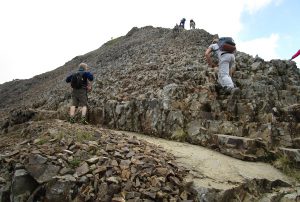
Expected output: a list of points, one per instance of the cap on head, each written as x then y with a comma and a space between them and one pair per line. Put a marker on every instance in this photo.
83, 67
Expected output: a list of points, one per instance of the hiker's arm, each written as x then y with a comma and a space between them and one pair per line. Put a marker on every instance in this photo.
89, 76
208, 58
68, 79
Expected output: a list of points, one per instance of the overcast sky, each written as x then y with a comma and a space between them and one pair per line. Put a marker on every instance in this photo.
40, 35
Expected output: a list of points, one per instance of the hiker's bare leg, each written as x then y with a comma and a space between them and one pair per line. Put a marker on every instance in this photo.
83, 111
72, 111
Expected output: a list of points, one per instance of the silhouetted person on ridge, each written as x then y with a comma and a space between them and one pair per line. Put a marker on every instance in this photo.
182, 22
80, 82
192, 24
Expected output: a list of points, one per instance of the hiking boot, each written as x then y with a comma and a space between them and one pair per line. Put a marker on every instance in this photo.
84, 121
235, 92
227, 90
72, 120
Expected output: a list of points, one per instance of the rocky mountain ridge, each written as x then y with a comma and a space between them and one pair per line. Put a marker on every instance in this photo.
156, 82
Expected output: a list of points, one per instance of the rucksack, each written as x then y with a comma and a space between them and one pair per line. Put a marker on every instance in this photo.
226, 44
77, 80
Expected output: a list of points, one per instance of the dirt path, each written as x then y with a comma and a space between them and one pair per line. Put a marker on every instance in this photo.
212, 169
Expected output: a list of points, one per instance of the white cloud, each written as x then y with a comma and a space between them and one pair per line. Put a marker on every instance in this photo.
263, 47
297, 60
253, 6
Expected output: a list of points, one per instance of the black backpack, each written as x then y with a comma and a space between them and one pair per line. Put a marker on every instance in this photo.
227, 44
77, 80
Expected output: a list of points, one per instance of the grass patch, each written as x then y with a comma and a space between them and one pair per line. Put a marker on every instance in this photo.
112, 42
59, 136
179, 135
74, 163
83, 136
42, 141
288, 167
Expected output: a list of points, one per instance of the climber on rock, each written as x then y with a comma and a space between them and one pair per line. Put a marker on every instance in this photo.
224, 48
192, 24
182, 21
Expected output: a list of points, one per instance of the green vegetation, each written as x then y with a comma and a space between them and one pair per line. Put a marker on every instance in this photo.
288, 167
112, 42
179, 135
59, 136
83, 136
74, 163
42, 141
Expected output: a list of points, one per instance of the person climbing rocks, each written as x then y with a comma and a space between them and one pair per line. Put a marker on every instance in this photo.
224, 48
80, 81
192, 24
182, 22
295, 55
176, 29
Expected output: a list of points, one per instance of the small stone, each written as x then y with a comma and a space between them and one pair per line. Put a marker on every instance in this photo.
124, 164
93, 160
118, 199
83, 169
113, 179
68, 151
2, 180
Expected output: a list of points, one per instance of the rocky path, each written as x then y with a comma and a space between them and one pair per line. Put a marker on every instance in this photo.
212, 169
52, 153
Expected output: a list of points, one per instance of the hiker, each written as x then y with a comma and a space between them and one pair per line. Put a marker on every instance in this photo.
295, 55
182, 23
176, 29
224, 48
192, 24
80, 84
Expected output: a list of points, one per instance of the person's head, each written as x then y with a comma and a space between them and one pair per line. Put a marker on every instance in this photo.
83, 67
215, 40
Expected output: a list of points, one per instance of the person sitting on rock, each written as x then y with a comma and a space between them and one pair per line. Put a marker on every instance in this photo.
192, 24
79, 82
226, 62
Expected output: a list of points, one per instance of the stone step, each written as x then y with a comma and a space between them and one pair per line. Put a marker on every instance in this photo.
239, 147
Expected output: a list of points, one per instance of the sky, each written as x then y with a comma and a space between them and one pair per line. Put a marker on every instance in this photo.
38, 36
